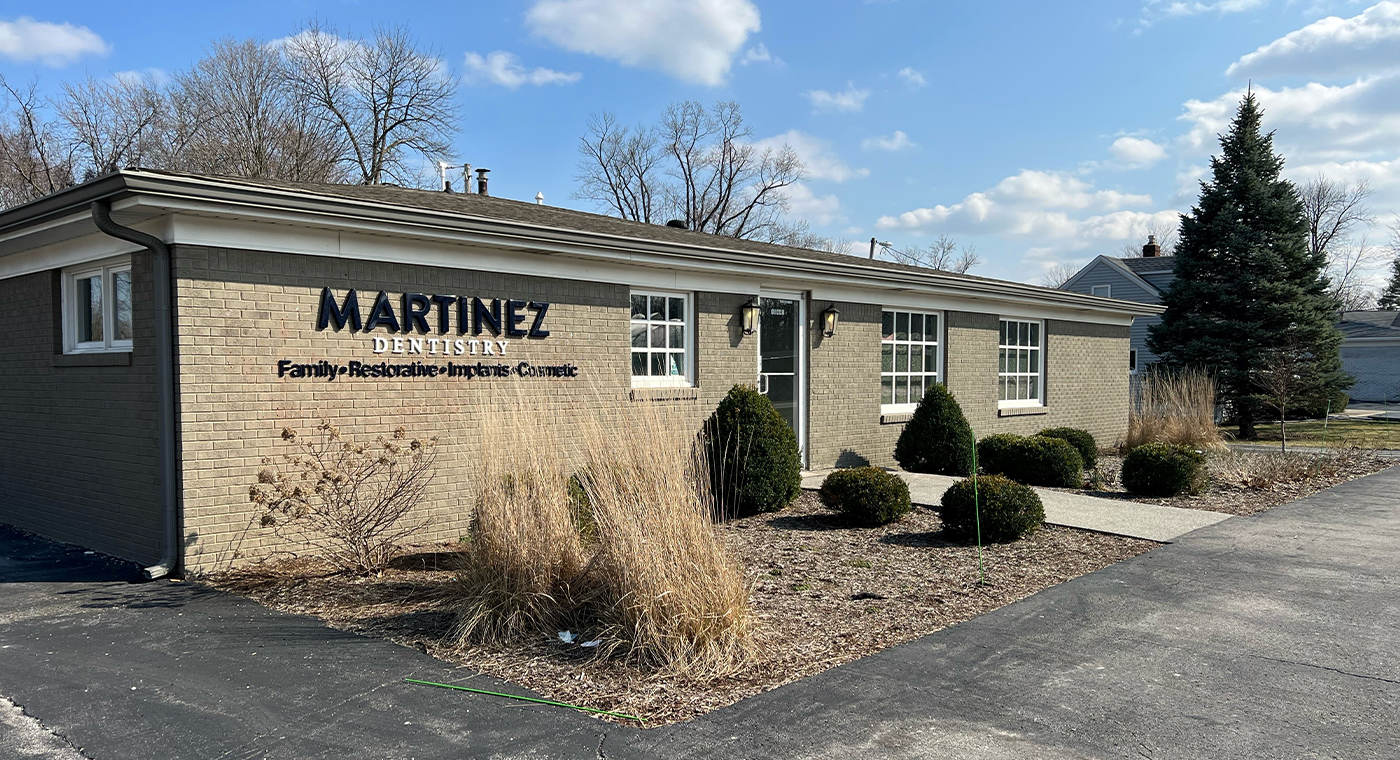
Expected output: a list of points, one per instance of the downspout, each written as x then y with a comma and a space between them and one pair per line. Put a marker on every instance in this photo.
165, 381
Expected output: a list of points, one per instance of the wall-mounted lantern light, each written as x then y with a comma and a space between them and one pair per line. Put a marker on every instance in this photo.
829, 320
750, 314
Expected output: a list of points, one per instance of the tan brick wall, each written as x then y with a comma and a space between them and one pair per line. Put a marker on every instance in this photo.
81, 461
240, 312
1086, 383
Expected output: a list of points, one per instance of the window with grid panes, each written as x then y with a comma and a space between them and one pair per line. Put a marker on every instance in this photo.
1020, 364
660, 338
909, 358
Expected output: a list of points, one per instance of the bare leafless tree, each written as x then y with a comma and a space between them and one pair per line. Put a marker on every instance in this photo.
1334, 210
1287, 374
1348, 265
33, 158
383, 96
1164, 234
697, 165
1058, 275
943, 253
235, 115
621, 169
113, 123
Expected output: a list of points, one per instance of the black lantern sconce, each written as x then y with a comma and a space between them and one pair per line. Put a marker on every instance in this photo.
750, 315
829, 319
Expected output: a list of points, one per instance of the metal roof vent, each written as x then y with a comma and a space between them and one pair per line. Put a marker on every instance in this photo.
678, 224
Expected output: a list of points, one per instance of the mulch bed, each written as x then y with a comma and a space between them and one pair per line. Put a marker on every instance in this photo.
1232, 498
824, 594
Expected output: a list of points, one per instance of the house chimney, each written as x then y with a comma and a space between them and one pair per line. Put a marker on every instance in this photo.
481, 181
1151, 249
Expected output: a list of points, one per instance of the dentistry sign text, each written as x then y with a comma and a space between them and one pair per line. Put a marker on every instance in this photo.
432, 326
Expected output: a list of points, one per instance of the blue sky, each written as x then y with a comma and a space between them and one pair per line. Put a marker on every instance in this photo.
1040, 132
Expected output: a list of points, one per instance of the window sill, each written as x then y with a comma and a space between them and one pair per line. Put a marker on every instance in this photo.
895, 418
675, 393
93, 359
1022, 411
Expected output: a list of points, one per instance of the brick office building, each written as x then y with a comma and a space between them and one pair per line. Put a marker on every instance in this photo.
162, 328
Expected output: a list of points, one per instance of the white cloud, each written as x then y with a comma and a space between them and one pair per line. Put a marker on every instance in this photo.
692, 40
504, 69
1039, 204
1156, 10
759, 54
912, 77
1364, 44
818, 154
818, 210
1135, 152
25, 39
848, 100
895, 142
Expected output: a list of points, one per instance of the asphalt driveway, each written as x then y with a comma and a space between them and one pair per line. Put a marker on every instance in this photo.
1267, 636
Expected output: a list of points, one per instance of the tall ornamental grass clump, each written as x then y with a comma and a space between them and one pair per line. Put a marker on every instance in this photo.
669, 594
524, 557
937, 438
1174, 407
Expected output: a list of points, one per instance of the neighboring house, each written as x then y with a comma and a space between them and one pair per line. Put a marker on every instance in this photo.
1371, 354
1131, 279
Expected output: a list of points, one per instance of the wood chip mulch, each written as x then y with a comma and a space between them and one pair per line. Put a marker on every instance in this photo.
824, 594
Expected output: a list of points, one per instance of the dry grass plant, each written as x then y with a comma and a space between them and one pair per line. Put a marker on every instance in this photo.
524, 558
671, 596
1177, 407
1262, 471
653, 581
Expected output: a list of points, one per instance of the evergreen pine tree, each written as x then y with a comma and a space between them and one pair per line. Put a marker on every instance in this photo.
1390, 297
1245, 280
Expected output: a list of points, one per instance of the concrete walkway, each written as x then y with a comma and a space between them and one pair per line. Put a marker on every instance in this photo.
1074, 510
1267, 637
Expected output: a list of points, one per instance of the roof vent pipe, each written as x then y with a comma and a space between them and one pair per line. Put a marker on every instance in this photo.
539, 199
467, 178
481, 181
1151, 250
443, 166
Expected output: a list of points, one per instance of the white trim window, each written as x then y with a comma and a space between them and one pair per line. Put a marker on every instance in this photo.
1021, 363
1132, 361
909, 357
661, 337
97, 307
1103, 291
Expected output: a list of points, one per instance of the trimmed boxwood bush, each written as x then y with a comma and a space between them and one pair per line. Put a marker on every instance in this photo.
1008, 510
1162, 469
937, 438
755, 465
867, 496
1081, 440
1034, 461
994, 452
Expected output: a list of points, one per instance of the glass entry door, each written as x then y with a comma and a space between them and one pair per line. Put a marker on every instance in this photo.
780, 359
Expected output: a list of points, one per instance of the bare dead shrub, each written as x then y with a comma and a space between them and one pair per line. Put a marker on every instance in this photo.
347, 500
1262, 471
671, 595
525, 556
1176, 407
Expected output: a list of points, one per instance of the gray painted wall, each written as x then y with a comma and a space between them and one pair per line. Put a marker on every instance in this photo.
1102, 273
1376, 369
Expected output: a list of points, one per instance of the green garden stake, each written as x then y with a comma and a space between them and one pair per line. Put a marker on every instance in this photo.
1325, 418
977, 512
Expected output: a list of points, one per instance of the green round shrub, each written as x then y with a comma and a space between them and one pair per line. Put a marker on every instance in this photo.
1163, 469
994, 452
1007, 509
755, 464
867, 496
1081, 440
937, 438
1034, 460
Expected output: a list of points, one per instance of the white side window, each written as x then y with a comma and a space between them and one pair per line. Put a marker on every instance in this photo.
1020, 363
662, 335
1105, 291
909, 358
97, 307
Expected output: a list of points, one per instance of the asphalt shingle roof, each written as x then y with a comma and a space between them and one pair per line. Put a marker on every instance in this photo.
1149, 264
